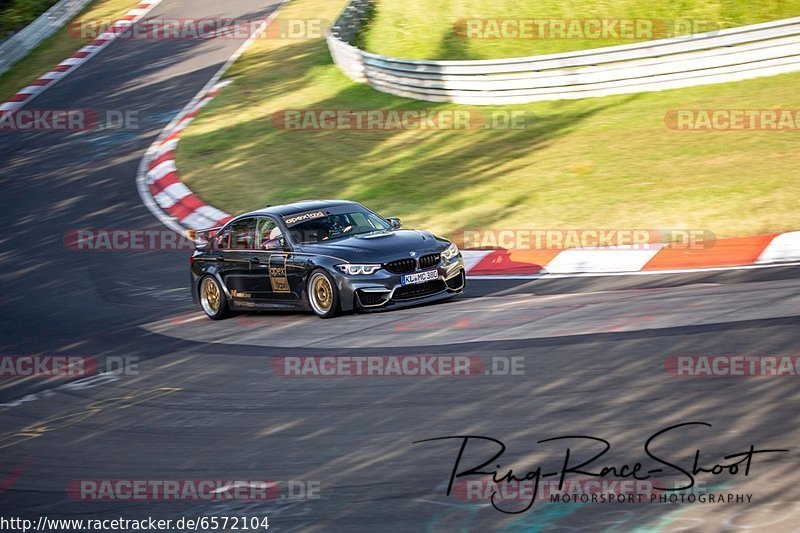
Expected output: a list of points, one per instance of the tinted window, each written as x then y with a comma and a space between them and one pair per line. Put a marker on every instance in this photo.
224, 239
243, 234
333, 226
268, 235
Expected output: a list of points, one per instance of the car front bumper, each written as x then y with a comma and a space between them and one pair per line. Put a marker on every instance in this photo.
385, 289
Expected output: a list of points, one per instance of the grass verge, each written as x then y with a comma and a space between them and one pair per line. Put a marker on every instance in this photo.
422, 29
593, 163
16, 14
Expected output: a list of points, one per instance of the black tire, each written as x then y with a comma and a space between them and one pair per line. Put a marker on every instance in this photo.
215, 309
322, 294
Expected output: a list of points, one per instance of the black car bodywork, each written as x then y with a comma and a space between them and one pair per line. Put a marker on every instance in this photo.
257, 270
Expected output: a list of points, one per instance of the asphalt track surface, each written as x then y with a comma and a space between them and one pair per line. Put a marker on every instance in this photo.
205, 402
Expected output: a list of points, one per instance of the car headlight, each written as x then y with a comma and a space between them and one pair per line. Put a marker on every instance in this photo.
357, 270
450, 252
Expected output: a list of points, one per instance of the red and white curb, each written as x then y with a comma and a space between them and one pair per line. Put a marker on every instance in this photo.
745, 252
158, 181
71, 64
177, 206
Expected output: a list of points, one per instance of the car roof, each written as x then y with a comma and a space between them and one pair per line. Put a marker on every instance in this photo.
298, 207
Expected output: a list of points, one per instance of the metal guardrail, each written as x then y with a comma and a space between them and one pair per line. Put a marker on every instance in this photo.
21, 43
726, 55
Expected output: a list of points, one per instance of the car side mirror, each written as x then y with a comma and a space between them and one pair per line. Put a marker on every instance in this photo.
395, 222
282, 244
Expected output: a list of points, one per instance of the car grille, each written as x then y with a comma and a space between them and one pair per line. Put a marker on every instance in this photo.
368, 298
427, 261
419, 290
403, 266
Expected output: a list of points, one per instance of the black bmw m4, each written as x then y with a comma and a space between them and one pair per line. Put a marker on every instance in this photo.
326, 256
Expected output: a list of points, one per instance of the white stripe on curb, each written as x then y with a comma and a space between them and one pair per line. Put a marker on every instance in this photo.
161, 170
784, 247
197, 221
73, 61
473, 257
167, 147
52, 75
617, 259
211, 213
172, 194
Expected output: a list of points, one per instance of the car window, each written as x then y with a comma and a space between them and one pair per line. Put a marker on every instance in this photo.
359, 219
337, 225
243, 234
224, 239
367, 220
269, 235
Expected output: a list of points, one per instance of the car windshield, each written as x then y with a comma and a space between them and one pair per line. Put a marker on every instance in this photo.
335, 226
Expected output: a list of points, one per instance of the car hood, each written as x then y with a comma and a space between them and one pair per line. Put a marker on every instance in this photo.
379, 247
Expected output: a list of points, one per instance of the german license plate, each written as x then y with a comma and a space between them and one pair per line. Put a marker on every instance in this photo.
419, 277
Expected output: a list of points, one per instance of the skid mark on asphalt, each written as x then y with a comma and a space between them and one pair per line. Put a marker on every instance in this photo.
67, 419
86, 383
127, 292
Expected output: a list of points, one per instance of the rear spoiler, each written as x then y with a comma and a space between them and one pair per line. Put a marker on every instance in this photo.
201, 236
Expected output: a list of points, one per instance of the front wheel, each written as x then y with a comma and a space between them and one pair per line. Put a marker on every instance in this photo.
212, 299
323, 297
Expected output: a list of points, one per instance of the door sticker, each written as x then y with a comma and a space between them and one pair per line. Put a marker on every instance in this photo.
277, 273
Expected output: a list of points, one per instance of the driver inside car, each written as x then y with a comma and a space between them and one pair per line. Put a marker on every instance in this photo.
274, 242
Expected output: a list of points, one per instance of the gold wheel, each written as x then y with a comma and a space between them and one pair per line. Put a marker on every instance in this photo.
320, 294
210, 297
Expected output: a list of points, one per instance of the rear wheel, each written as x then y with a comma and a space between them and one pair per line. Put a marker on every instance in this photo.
212, 299
323, 297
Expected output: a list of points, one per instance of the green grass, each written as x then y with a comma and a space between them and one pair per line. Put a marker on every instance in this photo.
58, 47
604, 163
16, 14
422, 29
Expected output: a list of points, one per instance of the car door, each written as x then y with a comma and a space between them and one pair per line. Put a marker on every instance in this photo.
270, 264
237, 243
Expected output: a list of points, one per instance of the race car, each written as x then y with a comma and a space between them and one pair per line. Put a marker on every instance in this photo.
323, 255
